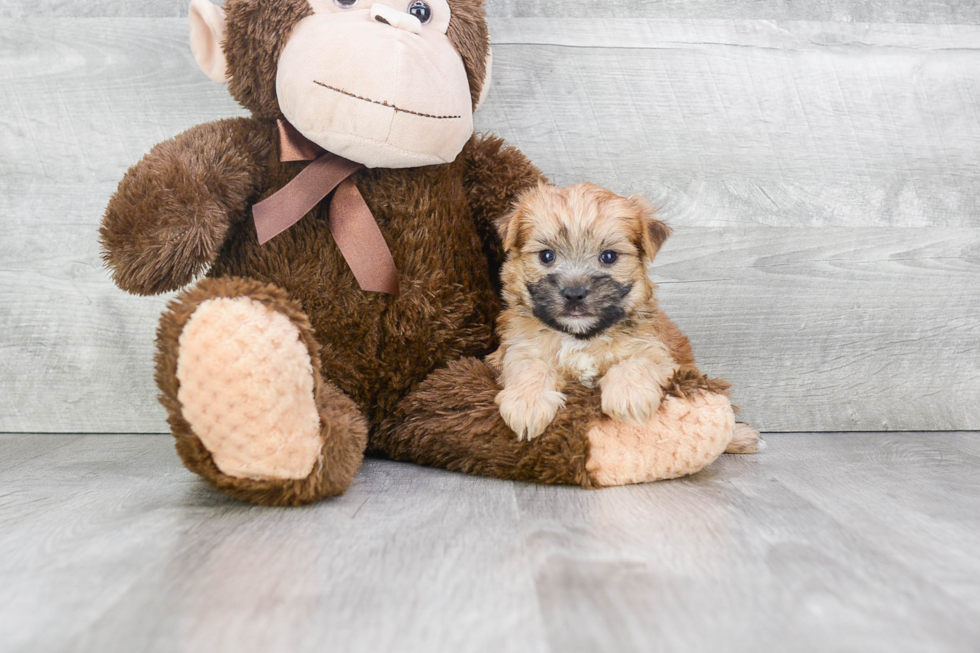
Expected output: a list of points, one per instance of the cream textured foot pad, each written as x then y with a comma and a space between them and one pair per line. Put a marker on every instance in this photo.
246, 389
683, 437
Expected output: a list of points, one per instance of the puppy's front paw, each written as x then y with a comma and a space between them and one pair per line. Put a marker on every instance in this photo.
632, 392
628, 403
528, 414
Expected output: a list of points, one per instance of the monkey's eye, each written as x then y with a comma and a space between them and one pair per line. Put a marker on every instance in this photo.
547, 257
345, 4
608, 257
421, 11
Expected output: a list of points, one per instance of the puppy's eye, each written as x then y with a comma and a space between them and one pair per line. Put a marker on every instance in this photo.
421, 11
547, 257
345, 4
608, 257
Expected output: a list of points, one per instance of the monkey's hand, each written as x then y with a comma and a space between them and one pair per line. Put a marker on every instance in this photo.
633, 389
173, 209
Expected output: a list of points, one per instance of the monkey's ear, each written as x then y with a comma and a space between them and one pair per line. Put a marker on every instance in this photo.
208, 26
487, 77
655, 233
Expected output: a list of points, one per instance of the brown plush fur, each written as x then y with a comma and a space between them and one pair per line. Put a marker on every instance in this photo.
468, 33
688, 380
256, 37
376, 347
459, 400
185, 208
174, 208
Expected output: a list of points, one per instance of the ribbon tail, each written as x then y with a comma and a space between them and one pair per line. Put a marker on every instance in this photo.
285, 208
361, 242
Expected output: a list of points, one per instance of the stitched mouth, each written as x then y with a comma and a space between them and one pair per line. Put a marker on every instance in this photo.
384, 104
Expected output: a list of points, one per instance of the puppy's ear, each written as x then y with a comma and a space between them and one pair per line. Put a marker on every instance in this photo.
654, 232
509, 225
507, 228
658, 232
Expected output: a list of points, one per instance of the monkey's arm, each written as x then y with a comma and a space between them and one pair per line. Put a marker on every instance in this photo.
173, 209
495, 174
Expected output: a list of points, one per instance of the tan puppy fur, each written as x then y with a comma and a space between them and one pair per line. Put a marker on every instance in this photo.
580, 306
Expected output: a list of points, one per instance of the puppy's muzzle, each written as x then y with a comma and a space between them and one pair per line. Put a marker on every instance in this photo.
592, 304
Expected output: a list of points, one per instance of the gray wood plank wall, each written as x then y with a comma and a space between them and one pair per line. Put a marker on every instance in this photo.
820, 163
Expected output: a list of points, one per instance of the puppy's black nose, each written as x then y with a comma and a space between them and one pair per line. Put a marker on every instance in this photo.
575, 293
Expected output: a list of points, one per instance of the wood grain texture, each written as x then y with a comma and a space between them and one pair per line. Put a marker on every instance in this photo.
953, 12
823, 178
865, 329
81, 101
857, 542
93, 8
751, 122
822, 543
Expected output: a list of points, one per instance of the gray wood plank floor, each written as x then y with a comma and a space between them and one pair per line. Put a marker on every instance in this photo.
831, 542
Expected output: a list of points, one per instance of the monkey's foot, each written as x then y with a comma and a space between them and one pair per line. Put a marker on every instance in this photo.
249, 409
686, 435
246, 386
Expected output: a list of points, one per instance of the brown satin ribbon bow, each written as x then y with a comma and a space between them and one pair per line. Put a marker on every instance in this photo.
353, 226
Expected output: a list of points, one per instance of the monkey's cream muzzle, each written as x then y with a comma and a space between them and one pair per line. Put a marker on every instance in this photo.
377, 87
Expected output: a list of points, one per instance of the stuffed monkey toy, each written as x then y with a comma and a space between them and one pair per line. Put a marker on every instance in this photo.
346, 236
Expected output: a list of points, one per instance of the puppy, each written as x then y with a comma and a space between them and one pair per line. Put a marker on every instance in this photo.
580, 306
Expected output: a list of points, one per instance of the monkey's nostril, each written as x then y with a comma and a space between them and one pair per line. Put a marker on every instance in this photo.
381, 19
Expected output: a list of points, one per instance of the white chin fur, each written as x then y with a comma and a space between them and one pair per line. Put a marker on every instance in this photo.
578, 324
